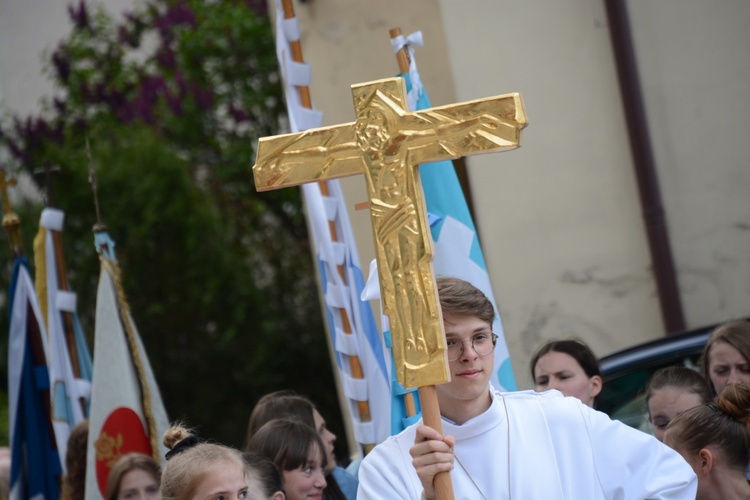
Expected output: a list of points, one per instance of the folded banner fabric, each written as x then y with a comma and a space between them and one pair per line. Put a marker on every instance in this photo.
351, 323
36, 468
127, 412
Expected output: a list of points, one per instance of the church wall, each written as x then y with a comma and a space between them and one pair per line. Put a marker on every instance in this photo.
566, 242
696, 78
559, 218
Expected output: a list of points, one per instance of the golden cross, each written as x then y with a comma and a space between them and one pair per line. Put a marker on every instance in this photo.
11, 221
386, 143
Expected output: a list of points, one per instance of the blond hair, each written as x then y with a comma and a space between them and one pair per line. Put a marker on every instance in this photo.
184, 471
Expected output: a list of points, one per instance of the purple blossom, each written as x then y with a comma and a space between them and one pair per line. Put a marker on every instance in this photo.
41, 128
176, 15
260, 7
56, 132
114, 99
151, 87
124, 113
183, 14
85, 92
15, 150
174, 102
203, 97
59, 105
181, 85
79, 16
238, 114
166, 58
142, 109
128, 37
61, 63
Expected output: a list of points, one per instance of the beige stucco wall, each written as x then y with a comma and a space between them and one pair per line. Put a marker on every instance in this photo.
565, 243
695, 59
28, 29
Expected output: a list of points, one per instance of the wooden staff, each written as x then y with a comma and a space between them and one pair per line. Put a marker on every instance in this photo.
363, 407
427, 394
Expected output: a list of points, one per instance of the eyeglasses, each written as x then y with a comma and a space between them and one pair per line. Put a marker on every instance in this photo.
482, 343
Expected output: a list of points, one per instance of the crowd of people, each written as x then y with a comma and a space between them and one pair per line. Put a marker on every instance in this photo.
528, 444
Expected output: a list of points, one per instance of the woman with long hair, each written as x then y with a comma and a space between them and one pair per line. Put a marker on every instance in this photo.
134, 477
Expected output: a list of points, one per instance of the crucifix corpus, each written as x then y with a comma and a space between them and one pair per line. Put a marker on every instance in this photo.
387, 143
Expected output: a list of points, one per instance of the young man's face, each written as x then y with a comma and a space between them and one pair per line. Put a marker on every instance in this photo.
470, 373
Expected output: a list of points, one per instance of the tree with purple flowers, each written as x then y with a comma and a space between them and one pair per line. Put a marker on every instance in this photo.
173, 97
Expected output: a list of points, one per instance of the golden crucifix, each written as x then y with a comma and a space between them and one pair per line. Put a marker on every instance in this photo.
11, 221
386, 143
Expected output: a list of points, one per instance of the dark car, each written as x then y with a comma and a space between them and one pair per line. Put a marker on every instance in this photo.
626, 373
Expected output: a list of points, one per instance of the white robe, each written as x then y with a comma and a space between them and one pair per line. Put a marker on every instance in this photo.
559, 449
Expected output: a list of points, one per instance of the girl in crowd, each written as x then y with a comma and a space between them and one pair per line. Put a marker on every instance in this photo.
74, 482
299, 453
671, 391
197, 469
714, 439
725, 357
134, 476
263, 478
568, 366
286, 404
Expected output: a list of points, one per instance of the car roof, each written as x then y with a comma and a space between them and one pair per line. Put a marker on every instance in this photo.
660, 351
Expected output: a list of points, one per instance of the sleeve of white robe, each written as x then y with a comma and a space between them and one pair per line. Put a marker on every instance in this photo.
386, 472
631, 464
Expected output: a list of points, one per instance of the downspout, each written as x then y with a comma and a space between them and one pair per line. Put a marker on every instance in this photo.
645, 170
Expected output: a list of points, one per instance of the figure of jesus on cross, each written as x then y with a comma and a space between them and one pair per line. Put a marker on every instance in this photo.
386, 143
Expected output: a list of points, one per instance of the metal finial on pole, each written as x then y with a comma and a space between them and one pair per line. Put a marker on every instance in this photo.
11, 221
44, 175
99, 226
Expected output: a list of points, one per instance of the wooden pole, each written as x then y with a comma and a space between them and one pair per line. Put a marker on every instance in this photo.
427, 395
363, 407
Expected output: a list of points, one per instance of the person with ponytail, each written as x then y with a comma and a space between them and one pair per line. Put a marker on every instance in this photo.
714, 439
198, 469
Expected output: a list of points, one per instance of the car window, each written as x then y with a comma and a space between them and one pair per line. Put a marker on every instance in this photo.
622, 396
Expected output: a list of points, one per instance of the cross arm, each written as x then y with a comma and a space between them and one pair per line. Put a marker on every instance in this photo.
313, 155
474, 127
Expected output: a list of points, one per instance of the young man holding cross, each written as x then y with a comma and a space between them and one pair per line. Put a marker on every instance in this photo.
520, 445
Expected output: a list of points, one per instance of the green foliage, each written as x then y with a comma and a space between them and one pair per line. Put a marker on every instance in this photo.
219, 277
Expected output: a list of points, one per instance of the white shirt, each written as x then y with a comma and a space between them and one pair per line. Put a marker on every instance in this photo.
559, 449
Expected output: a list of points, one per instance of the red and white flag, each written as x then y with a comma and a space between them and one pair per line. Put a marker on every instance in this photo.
127, 413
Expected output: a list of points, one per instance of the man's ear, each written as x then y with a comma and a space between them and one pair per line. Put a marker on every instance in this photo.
706, 461
596, 385
278, 496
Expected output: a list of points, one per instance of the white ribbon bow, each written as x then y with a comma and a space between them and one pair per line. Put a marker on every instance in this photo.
399, 43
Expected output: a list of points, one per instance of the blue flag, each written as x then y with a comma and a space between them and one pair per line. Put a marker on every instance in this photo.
35, 463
